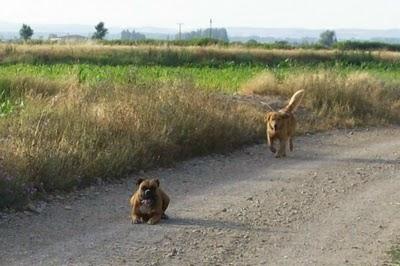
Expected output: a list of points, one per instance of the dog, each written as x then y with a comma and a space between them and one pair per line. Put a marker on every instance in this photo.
149, 202
281, 125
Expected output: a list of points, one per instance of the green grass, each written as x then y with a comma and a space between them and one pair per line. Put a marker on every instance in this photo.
227, 79
395, 256
9, 102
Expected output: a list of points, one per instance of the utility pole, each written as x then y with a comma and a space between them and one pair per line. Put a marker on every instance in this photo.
210, 28
180, 30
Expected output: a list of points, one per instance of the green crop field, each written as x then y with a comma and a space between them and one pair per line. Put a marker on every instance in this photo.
226, 79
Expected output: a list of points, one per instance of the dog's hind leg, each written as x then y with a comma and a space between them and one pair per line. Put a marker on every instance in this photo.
155, 219
291, 143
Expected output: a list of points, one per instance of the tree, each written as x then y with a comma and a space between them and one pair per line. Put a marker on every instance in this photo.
125, 35
252, 42
101, 31
217, 34
26, 32
328, 38
132, 36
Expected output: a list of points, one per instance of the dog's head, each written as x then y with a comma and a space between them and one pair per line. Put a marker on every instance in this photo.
148, 190
275, 120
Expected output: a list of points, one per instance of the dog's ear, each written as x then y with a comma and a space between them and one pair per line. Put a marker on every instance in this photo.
139, 181
157, 182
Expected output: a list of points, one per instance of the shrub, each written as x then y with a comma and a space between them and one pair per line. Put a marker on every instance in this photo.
367, 46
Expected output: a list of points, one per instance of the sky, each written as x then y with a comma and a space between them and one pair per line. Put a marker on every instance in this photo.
312, 14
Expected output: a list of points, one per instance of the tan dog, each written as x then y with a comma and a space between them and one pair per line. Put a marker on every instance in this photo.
149, 202
281, 125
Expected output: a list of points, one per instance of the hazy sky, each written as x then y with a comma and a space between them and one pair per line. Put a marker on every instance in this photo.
318, 14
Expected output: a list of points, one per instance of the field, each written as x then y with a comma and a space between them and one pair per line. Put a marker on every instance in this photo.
225, 80
71, 115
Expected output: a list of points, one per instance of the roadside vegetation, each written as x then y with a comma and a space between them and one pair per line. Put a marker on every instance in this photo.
335, 100
395, 256
67, 134
70, 115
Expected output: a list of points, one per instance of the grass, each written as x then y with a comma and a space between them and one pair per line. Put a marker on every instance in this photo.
335, 99
69, 134
395, 256
211, 56
226, 79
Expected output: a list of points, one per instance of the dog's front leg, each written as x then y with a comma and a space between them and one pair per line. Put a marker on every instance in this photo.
154, 219
271, 144
135, 219
282, 149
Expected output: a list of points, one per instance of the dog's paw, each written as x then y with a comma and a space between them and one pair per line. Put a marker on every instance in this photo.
152, 221
136, 220
272, 149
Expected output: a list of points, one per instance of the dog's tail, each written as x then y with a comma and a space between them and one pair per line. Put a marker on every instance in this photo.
294, 101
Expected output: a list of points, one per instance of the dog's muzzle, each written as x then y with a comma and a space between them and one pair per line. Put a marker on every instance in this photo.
147, 193
148, 197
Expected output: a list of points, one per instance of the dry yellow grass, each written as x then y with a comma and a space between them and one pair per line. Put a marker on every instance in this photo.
335, 100
76, 134
178, 55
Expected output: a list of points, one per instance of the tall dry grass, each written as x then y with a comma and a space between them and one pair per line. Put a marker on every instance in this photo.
68, 135
335, 100
170, 55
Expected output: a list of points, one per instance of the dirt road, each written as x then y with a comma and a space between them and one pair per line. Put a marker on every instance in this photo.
334, 201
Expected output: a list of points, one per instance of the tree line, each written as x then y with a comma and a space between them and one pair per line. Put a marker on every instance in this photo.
201, 37
126, 35
220, 34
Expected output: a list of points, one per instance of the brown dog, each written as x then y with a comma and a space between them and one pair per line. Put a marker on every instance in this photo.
281, 125
149, 202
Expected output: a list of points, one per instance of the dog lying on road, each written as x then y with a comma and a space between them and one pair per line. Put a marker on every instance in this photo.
281, 125
149, 202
